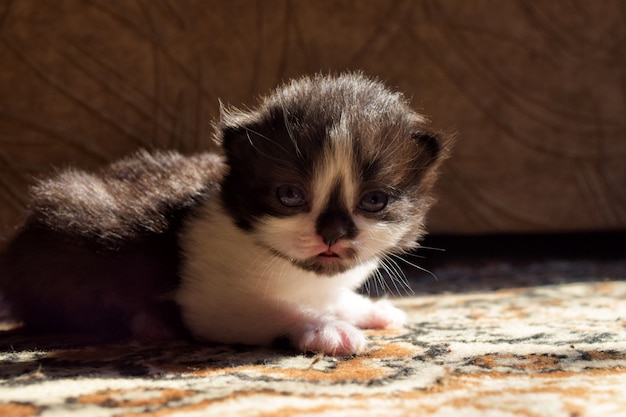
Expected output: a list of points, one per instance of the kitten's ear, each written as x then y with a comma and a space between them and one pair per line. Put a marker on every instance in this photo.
234, 140
436, 145
232, 130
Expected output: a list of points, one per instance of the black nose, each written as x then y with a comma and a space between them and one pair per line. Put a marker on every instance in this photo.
335, 225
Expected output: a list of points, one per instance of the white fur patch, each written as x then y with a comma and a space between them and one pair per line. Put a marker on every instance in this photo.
235, 291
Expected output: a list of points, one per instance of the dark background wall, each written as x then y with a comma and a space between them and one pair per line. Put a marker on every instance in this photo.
534, 91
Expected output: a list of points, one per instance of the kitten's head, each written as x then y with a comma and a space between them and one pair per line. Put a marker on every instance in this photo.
330, 172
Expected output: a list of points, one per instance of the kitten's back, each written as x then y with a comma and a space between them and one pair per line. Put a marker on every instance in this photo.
141, 194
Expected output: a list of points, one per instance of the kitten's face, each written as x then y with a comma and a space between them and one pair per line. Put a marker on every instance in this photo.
330, 173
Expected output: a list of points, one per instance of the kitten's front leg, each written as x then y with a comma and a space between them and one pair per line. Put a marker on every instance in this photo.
261, 321
367, 314
340, 335
312, 332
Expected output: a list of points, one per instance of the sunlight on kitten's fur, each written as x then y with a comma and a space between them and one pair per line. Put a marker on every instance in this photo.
327, 178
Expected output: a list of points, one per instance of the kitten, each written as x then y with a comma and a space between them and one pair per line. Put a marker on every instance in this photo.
325, 178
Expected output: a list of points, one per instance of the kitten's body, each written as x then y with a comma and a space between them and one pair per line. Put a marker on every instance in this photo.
326, 178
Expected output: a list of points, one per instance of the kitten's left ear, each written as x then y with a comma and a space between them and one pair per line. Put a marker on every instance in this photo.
436, 145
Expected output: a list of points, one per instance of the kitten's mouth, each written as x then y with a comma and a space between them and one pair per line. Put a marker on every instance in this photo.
329, 254
326, 263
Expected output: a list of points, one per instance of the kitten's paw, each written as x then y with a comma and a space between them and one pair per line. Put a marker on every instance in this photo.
336, 338
383, 315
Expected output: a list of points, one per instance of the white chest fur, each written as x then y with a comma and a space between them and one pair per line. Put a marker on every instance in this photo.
236, 291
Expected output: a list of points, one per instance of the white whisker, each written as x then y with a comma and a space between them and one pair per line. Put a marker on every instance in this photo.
431, 248
397, 276
415, 265
292, 137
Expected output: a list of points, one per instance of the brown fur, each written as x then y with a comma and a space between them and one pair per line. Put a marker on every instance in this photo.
99, 251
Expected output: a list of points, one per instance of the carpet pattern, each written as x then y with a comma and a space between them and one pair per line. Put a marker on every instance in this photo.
555, 347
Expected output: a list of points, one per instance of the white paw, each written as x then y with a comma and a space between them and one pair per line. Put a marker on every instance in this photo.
383, 315
336, 338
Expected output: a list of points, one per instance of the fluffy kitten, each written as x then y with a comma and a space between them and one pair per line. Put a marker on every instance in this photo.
324, 179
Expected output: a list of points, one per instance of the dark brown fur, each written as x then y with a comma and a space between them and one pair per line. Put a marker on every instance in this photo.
99, 251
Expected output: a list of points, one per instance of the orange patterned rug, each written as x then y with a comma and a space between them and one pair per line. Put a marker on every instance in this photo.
501, 340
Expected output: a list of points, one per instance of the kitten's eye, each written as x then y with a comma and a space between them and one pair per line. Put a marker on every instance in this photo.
290, 195
373, 201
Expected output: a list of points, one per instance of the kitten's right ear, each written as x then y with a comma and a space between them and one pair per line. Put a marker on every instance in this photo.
232, 131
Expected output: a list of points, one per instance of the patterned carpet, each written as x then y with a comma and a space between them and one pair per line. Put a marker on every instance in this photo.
498, 339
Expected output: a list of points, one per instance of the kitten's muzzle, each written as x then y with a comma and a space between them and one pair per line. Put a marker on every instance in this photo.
334, 225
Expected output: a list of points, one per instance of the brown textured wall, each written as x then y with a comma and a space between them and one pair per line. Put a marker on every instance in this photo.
535, 91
